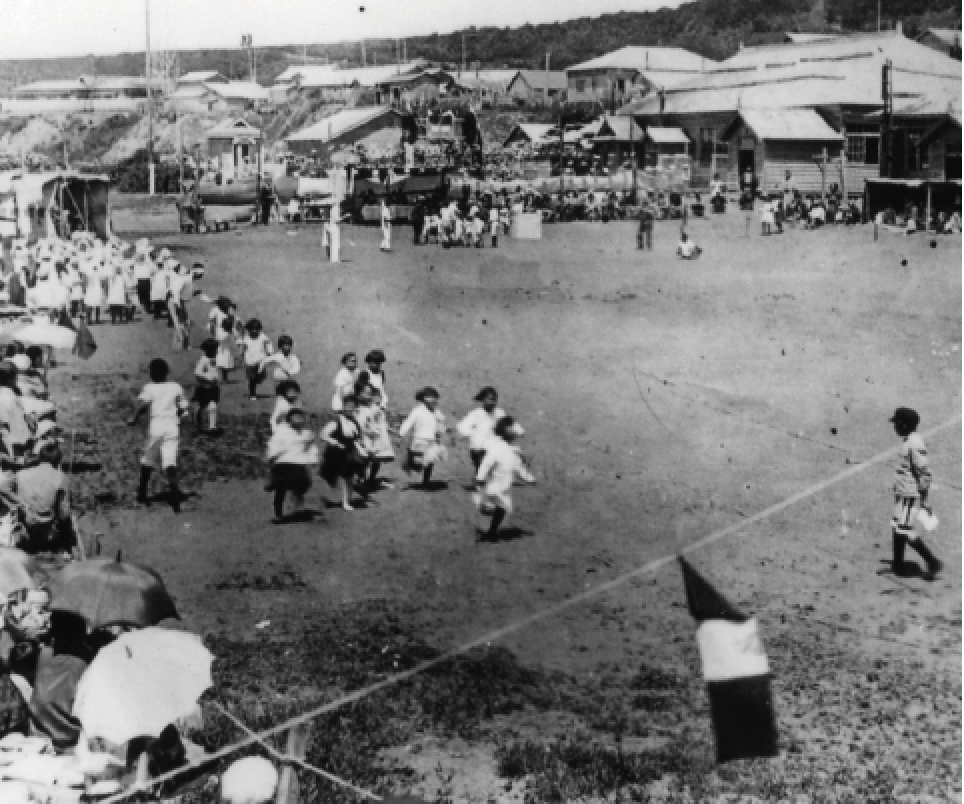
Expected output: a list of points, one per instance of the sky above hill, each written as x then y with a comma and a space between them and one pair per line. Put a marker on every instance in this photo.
47, 28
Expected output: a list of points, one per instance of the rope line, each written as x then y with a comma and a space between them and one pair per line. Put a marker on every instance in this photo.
493, 636
285, 758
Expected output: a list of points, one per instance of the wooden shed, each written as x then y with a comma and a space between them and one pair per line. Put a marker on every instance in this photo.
778, 149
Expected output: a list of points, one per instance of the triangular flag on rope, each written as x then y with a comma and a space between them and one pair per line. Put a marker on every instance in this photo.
736, 672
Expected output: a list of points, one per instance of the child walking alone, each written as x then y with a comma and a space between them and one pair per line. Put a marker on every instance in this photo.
165, 404
911, 485
256, 347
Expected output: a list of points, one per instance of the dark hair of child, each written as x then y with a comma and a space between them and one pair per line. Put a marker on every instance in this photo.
158, 370
486, 392
285, 386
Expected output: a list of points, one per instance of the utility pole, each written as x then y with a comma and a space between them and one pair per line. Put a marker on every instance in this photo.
150, 109
878, 16
547, 77
364, 63
463, 51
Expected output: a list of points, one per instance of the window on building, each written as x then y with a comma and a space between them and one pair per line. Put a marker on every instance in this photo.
863, 145
581, 85
913, 151
621, 85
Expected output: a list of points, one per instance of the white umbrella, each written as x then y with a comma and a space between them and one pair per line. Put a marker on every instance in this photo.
43, 334
141, 683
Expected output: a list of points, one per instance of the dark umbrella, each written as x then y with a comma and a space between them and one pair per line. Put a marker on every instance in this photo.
108, 591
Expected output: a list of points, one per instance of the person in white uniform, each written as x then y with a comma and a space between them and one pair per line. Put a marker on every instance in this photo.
333, 231
386, 218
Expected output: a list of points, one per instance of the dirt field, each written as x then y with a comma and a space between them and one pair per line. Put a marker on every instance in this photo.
663, 401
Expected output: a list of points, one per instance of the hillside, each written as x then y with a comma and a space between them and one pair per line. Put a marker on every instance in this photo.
712, 28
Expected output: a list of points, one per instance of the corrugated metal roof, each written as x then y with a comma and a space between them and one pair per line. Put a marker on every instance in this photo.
664, 66
199, 77
666, 136
845, 70
330, 128
232, 128
540, 79
789, 124
330, 75
947, 35
535, 132
246, 90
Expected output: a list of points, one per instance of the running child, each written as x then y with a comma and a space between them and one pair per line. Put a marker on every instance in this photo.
479, 425
911, 485
207, 392
345, 380
287, 366
288, 396
256, 347
427, 425
222, 324
165, 405
372, 415
501, 465
292, 452
345, 453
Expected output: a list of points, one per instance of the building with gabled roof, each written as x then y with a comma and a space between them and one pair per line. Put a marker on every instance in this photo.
537, 87
613, 77
838, 79
944, 40
349, 127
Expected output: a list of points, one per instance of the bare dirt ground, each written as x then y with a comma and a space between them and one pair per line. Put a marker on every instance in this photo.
663, 401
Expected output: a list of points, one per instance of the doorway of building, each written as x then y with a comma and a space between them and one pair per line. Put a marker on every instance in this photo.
952, 162
747, 167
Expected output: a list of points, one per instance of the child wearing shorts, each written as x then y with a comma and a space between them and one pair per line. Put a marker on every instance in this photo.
911, 485
165, 405
426, 424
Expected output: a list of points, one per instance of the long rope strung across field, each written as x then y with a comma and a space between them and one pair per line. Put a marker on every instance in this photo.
493, 636
283, 758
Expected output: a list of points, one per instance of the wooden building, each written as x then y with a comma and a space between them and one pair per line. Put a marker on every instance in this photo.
348, 128
944, 40
236, 147
537, 87
613, 77
619, 140
837, 78
777, 149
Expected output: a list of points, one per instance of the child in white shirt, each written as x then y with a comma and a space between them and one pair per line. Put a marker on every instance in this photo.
288, 397
207, 392
164, 402
257, 348
479, 425
501, 465
426, 424
286, 365
291, 452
